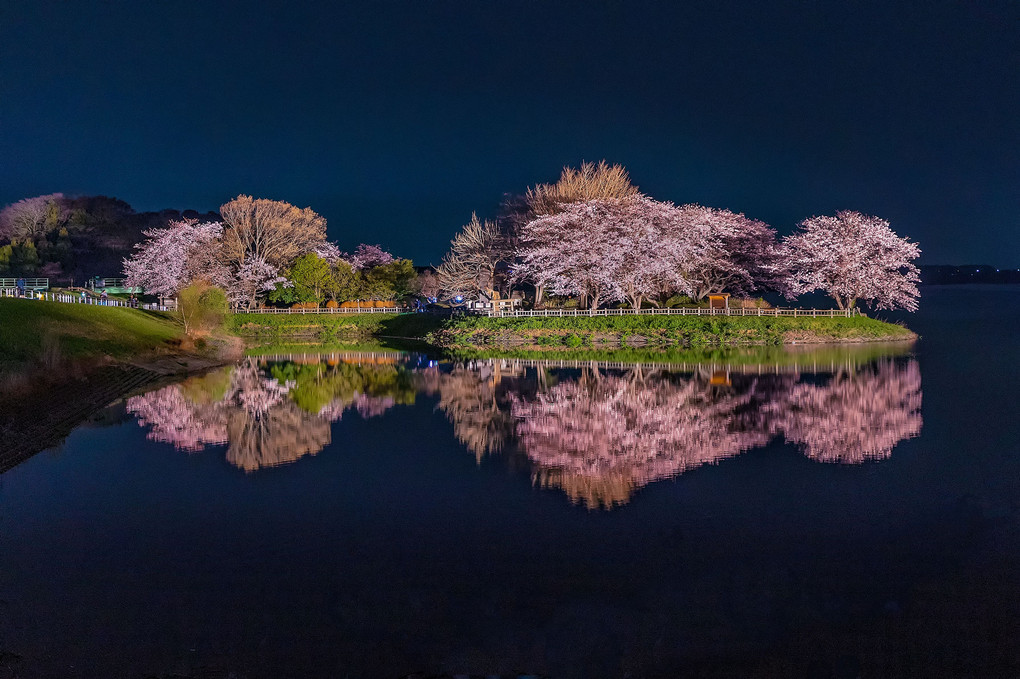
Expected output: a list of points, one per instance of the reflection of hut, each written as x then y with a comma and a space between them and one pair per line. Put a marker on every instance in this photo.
720, 378
719, 301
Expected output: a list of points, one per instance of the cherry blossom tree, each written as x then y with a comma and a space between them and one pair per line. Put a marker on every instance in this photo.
329, 252
255, 277
605, 250
853, 257
369, 256
592, 181
168, 259
740, 256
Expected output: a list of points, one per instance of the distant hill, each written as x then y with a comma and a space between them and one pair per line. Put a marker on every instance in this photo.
67, 238
944, 274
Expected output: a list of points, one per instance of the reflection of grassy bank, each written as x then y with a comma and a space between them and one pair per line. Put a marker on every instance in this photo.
328, 328
803, 356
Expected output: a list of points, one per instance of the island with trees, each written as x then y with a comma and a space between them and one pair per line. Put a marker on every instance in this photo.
590, 243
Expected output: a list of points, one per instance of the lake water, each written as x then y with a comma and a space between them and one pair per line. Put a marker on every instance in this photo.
832, 513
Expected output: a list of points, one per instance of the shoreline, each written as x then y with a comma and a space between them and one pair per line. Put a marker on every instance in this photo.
570, 332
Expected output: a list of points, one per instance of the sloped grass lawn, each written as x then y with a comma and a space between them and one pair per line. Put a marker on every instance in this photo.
31, 330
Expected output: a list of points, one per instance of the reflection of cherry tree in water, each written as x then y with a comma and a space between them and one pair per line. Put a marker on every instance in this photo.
602, 436
264, 427
599, 436
252, 413
177, 420
474, 398
853, 418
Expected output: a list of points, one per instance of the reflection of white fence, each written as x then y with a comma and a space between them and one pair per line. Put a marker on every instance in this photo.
509, 365
674, 311
69, 298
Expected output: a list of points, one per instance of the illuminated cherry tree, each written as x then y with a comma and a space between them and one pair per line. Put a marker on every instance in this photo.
369, 256
853, 257
608, 250
740, 256
168, 259
255, 277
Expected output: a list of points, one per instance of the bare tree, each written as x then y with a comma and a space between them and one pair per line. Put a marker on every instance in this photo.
273, 231
590, 182
474, 258
33, 217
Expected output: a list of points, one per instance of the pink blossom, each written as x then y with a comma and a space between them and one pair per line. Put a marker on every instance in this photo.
853, 257
171, 258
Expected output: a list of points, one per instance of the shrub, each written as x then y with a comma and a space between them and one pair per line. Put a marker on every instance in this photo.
201, 307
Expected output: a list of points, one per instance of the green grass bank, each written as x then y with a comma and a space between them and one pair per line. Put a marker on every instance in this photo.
567, 332
48, 334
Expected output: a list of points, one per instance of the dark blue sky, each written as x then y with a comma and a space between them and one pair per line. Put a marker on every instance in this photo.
396, 120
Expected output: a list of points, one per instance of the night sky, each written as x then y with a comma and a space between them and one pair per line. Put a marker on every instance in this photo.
397, 120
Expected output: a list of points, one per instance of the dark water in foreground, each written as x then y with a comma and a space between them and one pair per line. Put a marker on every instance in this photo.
836, 514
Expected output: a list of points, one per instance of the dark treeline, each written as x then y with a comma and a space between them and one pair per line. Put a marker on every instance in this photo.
72, 238
946, 274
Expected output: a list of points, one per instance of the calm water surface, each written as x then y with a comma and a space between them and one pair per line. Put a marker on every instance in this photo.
382, 514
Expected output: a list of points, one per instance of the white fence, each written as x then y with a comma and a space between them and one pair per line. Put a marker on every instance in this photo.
492, 313
545, 313
674, 311
69, 298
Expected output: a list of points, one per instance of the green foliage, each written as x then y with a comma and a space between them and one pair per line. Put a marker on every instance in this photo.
666, 329
202, 307
319, 384
344, 282
22, 258
388, 281
311, 276
327, 327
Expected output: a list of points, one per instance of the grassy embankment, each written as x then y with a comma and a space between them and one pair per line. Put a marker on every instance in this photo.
556, 333
48, 334
60, 363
